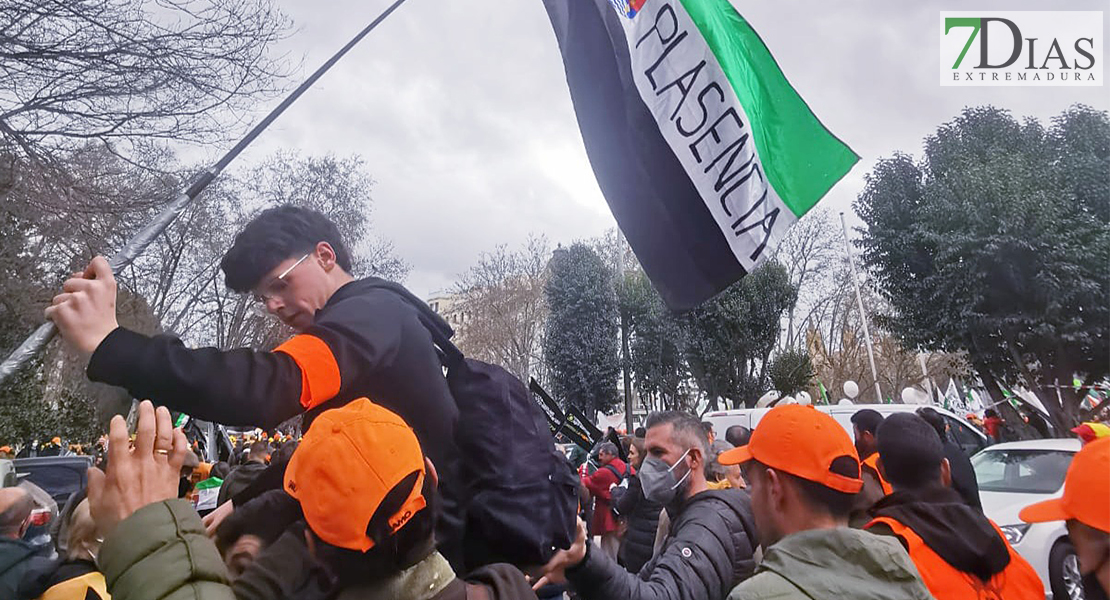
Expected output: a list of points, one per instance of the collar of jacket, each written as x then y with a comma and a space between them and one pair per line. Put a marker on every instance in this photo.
961, 535
351, 288
422, 581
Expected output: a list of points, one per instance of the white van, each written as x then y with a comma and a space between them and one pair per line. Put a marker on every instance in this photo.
966, 436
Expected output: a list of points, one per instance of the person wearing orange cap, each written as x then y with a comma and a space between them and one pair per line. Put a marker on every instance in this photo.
1085, 506
959, 552
367, 494
1091, 431
803, 473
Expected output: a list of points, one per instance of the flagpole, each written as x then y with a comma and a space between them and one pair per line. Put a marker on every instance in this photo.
862, 312
139, 242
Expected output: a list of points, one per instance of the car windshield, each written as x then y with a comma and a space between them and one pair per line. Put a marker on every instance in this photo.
1024, 471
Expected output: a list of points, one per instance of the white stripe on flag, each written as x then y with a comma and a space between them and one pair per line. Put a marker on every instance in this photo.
701, 118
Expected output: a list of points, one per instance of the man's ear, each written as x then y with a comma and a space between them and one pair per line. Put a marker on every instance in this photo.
945, 472
326, 255
430, 472
697, 458
775, 487
310, 541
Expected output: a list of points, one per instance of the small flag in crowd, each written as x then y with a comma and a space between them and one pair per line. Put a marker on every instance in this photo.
703, 150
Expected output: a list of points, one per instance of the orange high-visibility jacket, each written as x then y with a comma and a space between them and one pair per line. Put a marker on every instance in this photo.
872, 463
1018, 581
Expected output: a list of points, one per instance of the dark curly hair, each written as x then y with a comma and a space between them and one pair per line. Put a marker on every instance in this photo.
276, 235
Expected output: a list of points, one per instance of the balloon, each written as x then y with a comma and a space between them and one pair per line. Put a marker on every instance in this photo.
788, 400
844, 402
804, 399
766, 399
851, 389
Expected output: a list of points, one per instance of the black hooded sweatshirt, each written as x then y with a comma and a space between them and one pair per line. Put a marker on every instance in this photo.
958, 533
373, 336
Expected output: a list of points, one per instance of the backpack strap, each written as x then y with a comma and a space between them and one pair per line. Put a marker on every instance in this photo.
440, 331
614, 471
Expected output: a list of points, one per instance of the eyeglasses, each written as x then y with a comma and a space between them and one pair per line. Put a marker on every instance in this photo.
276, 285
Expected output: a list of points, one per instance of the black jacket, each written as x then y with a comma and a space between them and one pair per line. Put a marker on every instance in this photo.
958, 533
708, 551
373, 337
22, 567
963, 475
239, 479
642, 517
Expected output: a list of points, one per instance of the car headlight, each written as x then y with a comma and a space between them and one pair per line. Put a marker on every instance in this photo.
1014, 533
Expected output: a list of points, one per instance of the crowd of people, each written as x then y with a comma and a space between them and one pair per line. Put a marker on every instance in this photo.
367, 503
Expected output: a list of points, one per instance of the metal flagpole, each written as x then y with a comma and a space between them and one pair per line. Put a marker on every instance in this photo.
135, 246
862, 313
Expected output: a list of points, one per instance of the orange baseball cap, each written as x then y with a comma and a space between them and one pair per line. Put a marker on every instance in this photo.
1086, 491
803, 442
348, 461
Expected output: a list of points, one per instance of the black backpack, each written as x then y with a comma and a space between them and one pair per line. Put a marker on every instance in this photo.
520, 499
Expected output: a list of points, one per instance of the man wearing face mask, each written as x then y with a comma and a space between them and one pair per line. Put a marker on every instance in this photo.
709, 546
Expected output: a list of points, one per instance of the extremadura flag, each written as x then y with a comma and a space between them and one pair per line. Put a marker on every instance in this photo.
703, 150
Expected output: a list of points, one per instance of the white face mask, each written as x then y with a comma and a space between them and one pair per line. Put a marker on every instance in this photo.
659, 481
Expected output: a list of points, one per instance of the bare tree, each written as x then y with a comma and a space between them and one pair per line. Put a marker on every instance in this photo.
502, 298
125, 71
810, 252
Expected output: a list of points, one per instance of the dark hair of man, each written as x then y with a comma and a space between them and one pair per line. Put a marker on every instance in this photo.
220, 470
275, 235
738, 435
284, 453
259, 450
688, 431
990, 412
607, 447
837, 504
932, 417
641, 432
910, 450
714, 470
13, 517
391, 554
707, 426
867, 420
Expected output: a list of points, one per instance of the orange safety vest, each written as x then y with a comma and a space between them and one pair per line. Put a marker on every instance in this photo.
1018, 581
872, 463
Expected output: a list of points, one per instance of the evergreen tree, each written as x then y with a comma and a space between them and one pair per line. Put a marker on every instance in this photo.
581, 344
996, 243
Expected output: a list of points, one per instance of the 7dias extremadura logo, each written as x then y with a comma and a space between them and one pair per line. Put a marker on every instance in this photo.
1027, 48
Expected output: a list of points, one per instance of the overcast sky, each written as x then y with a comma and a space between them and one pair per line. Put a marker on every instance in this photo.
462, 113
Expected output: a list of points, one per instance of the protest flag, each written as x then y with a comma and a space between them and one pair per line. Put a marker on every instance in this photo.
705, 153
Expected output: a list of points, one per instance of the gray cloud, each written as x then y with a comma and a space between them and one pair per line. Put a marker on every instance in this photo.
462, 113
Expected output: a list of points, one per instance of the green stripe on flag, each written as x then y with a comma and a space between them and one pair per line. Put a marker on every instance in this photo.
802, 159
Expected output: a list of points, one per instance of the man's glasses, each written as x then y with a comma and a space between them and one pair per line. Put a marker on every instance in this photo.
276, 285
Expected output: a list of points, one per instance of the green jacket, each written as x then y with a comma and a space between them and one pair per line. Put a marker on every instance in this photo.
834, 564
161, 551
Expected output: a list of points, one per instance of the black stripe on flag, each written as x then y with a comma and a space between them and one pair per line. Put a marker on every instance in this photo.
662, 215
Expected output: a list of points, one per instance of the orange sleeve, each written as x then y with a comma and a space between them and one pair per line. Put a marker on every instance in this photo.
319, 371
